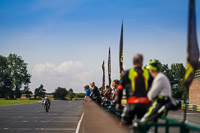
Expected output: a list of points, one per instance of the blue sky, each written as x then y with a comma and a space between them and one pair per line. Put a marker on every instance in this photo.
65, 41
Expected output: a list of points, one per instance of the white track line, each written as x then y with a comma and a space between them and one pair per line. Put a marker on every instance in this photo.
79, 123
39, 129
39, 121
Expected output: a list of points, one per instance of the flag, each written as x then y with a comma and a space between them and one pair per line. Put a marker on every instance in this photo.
109, 67
192, 48
121, 52
103, 79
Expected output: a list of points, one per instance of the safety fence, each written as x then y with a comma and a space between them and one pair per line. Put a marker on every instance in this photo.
164, 124
168, 126
98, 119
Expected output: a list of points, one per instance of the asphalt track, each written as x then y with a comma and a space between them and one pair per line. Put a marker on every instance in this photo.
192, 116
63, 117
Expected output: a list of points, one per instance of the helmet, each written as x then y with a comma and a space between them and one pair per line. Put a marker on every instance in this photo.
154, 65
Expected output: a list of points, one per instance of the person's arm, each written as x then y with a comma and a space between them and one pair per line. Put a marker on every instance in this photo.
87, 93
155, 89
91, 94
120, 88
94, 93
119, 94
150, 81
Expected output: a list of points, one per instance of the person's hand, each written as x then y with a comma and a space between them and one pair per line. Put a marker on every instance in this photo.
117, 106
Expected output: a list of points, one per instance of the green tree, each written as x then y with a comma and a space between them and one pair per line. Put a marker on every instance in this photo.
18, 72
165, 69
40, 91
5, 79
177, 72
3, 68
175, 75
60, 93
80, 95
71, 94
27, 92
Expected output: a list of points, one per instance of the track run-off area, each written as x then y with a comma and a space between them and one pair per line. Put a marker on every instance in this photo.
63, 117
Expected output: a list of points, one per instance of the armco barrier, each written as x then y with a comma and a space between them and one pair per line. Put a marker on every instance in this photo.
167, 123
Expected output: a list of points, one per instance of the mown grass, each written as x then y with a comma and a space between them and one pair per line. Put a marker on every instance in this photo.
4, 102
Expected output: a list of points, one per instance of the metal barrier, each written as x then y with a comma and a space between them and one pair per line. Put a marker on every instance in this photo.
164, 122
110, 107
167, 124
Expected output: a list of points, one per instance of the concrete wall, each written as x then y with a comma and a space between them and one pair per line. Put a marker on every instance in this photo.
96, 120
194, 92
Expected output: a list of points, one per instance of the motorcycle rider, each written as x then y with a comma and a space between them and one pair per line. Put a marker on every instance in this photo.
46, 99
136, 83
159, 94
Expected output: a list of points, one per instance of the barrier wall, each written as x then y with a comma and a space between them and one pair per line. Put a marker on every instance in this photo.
97, 120
191, 107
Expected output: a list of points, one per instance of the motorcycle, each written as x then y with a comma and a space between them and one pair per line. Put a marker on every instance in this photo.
46, 105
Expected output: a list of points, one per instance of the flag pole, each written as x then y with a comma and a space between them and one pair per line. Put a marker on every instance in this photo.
121, 52
192, 53
103, 79
109, 67
185, 110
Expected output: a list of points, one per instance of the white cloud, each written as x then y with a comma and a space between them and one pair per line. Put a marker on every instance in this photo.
46, 68
68, 74
68, 67
65, 68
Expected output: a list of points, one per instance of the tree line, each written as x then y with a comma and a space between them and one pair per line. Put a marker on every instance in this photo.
176, 74
59, 93
13, 76
15, 80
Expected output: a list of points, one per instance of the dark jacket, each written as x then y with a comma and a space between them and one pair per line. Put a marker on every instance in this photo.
139, 89
95, 95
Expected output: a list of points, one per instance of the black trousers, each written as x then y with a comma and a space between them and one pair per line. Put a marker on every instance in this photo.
158, 108
133, 109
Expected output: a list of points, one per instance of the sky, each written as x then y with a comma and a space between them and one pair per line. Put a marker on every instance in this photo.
65, 42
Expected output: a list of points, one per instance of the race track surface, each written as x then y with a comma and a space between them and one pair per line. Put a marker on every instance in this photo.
63, 117
192, 116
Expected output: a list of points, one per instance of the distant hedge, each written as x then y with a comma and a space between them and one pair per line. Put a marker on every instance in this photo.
35, 99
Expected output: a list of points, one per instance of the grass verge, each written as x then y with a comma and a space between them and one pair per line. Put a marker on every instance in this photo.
4, 102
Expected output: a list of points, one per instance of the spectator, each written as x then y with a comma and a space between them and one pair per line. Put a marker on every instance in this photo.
136, 82
101, 92
114, 90
95, 95
107, 92
87, 91
159, 95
